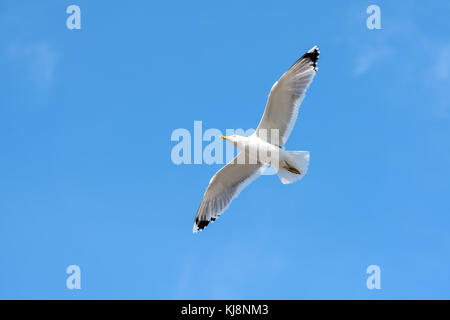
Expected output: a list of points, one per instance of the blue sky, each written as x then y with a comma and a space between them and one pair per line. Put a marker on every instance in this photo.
86, 176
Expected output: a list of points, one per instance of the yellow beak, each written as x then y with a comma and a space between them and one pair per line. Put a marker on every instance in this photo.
224, 138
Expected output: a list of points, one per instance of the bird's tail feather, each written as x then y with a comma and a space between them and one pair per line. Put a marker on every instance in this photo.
294, 167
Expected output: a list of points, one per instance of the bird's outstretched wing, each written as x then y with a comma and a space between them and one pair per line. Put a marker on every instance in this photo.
285, 98
224, 186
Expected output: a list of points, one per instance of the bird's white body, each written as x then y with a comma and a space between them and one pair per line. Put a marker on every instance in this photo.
291, 166
260, 150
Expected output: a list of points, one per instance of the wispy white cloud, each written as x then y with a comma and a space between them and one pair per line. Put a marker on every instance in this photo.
370, 56
422, 59
442, 62
222, 276
441, 83
37, 61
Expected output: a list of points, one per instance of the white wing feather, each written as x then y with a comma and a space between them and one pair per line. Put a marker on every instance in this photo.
224, 186
285, 98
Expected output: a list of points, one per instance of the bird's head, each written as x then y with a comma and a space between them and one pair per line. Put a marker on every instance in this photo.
236, 140
233, 139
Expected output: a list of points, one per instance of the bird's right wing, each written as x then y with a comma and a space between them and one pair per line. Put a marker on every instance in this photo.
285, 98
224, 186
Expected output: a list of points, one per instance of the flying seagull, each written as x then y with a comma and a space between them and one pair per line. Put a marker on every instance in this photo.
266, 146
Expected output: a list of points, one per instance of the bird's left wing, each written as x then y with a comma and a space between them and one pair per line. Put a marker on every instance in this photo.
285, 98
224, 186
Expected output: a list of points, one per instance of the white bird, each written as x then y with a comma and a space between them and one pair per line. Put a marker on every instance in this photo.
266, 146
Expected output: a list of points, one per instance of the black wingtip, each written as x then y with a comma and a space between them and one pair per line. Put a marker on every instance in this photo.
309, 58
313, 56
200, 225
